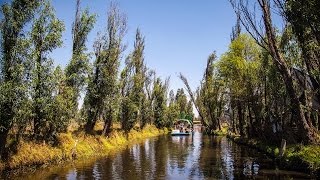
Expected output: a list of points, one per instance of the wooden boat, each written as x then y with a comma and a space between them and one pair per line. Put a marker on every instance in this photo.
182, 127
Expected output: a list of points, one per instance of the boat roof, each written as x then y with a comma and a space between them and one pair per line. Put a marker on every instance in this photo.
184, 120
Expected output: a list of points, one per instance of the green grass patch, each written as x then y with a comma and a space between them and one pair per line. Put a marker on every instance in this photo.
309, 155
296, 157
222, 132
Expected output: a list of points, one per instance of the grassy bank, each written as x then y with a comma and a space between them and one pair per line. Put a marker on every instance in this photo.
71, 145
223, 131
296, 157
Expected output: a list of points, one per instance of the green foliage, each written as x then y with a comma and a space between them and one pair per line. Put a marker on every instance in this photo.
181, 101
78, 69
132, 83
63, 102
102, 94
128, 109
230, 83
240, 63
159, 92
304, 19
147, 113
189, 111
172, 112
210, 95
14, 66
45, 35
179, 107
40, 100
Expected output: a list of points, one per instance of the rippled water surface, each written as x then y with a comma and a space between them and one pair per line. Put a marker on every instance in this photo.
167, 157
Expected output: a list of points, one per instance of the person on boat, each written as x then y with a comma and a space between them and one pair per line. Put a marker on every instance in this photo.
187, 130
182, 128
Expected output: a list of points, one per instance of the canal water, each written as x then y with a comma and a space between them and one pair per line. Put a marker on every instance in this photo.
173, 157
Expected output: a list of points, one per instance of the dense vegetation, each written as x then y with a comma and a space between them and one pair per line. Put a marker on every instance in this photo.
38, 101
267, 84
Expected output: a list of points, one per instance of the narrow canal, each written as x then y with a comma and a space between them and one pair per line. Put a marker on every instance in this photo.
167, 157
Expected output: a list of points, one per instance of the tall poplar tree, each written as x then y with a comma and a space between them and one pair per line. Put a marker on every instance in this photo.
46, 36
12, 63
138, 76
160, 103
102, 94
78, 68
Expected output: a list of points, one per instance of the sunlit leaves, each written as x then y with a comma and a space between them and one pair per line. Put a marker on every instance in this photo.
160, 103
14, 66
240, 64
46, 35
77, 71
102, 93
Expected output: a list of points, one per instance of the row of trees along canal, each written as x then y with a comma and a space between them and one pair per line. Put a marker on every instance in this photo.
38, 100
267, 82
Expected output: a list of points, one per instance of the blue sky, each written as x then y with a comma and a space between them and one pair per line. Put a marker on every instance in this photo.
180, 34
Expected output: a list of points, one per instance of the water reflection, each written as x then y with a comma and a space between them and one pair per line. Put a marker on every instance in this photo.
166, 157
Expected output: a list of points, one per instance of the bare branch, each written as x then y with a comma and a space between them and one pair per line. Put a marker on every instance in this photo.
185, 82
249, 21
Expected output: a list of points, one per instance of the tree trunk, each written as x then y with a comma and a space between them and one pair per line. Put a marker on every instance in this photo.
311, 57
36, 128
316, 120
219, 124
252, 129
89, 127
38, 91
213, 124
240, 117
3, 142
193, 99
232, 119
108, 122
107, 127
308, 135
91, 123
218, 119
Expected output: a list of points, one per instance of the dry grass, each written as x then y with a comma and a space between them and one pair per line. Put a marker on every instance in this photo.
79, 146
33, 153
